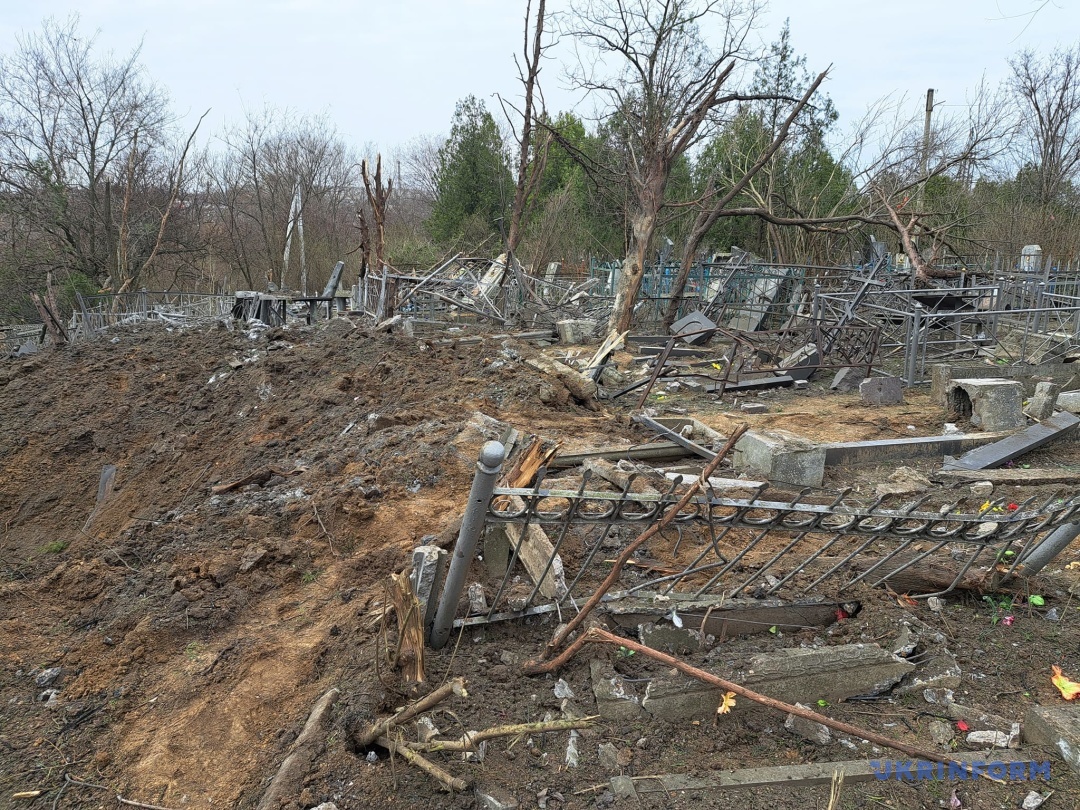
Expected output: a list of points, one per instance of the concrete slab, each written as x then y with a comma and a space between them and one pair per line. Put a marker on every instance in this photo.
615, 699
694, 322
817, 773
1056, 727
808, 675
781, 456
996, 454
895, 449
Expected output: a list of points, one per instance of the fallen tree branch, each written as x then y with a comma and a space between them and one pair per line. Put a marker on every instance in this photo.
471, 739
537, 667
303, 752
449, 781
596, 634
378, 729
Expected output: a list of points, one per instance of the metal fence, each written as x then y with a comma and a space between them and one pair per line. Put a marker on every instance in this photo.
767, 541
97, 312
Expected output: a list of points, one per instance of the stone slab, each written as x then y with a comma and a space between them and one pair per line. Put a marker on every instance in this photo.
894, 449
806, 675
694, 322
996, 454
1041, 404
615, 698
817, 773
1057, 727
882, 391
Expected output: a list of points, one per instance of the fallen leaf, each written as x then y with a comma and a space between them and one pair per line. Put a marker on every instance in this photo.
1069, 689
726, 702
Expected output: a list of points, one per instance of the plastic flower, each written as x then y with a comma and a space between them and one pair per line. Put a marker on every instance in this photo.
1008, 620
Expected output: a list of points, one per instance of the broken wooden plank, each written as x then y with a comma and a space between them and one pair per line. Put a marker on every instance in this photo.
534, 551
816, 773
1031, 438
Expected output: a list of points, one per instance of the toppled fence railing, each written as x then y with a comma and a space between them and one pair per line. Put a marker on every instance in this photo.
770, 542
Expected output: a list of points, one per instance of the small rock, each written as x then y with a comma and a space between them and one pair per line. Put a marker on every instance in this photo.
951, 430
982, 489
47, 676
563, 690
754, 407
477, 601
811, 730
1052, 615
372, 757
905, 643
941, 732
609, 756
939, 697
1032, 801
936, 604
325, 806
426, 730
994, 739
495, 798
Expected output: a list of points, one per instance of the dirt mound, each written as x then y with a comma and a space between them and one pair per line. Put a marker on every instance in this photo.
166, 627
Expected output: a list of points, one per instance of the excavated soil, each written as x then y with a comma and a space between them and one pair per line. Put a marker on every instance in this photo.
195, 624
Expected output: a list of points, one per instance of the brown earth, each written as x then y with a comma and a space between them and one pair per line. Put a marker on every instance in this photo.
195, 630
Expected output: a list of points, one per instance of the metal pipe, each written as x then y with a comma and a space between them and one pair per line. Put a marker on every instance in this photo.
487, 470
1050, 547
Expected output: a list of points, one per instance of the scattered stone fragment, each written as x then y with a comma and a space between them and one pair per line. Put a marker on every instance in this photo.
754, 407
47, 676
815, 732
1041, 405
906, 642
982, 489
609, 756
426, 729
982, 739
495, 798
477, 601
847, 380
801, 386
1032, 801
904, 481
325, 806
950, 429
563, 690
936, 604
941, 733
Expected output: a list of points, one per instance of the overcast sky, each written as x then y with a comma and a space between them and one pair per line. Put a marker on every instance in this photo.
384, 71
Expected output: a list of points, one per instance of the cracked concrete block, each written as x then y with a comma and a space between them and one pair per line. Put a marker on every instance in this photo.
939, 672
668, 638
989, 404
781, 456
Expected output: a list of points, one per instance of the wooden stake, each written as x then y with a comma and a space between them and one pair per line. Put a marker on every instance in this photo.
410, 651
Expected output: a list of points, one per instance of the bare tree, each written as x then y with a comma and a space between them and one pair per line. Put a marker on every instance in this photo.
663, 68
530, 160
1048, 90
378, 194
76, 125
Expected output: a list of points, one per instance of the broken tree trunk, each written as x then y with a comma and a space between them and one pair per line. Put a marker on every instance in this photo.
580, 387
410, 650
